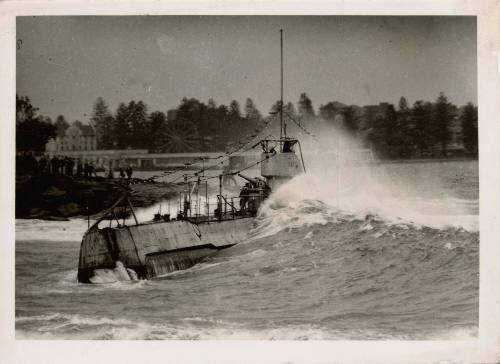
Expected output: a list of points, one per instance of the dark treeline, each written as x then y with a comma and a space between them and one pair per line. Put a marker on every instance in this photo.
425, 129
32, 130
192, 126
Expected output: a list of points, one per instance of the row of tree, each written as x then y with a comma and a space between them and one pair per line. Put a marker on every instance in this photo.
424, 129
192, 126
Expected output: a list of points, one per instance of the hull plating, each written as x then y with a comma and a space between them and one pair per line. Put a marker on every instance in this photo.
156, 248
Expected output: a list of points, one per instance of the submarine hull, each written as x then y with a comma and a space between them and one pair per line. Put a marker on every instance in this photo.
157, 248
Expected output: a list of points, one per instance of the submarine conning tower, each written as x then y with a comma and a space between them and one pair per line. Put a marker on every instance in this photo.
279, 166
280, 163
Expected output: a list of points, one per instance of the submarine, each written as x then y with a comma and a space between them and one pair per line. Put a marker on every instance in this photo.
161, 246
146, 250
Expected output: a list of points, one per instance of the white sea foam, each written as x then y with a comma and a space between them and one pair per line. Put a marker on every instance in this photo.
308, 235
459, 333
66, 283
309, 199
64, 326
397, 194
73, 229
117, 274
67, 278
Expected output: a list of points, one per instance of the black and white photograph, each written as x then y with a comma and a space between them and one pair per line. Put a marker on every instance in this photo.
246, 177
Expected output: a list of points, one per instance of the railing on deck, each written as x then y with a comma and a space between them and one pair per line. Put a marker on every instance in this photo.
227, 208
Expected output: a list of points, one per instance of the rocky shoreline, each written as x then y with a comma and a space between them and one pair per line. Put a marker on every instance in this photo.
59, 197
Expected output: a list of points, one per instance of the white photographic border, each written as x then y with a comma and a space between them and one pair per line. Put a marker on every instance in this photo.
486, 349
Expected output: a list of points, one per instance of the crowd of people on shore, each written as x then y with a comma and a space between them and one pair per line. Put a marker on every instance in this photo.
64, 165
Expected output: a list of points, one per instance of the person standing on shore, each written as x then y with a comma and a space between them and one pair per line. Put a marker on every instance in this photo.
86, 170
61, 165
71, 166
92, 172
67, 167
54, 165
79, 168
42, 165
129, 172
110, 170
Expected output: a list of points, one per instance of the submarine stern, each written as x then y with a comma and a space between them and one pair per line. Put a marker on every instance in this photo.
152, 249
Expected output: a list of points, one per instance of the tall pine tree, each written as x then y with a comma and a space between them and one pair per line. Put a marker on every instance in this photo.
139, 125
102, 121
122, 127
157, 128
422, 132
442, 118
468, 120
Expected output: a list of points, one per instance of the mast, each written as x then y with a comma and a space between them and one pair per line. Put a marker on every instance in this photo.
282, 125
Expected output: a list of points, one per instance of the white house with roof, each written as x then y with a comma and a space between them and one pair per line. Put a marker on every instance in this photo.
78, 137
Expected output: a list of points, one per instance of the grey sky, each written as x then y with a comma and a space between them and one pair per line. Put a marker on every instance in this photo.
65, 63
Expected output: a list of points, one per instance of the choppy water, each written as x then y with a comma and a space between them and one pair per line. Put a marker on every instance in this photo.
392, 253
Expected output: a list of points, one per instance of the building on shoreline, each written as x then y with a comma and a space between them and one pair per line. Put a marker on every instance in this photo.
79, 142
77, 137
140, 159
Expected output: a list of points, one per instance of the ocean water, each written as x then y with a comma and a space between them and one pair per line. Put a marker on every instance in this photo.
388, 251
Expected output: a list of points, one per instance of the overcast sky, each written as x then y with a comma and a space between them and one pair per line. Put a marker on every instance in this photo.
65, 63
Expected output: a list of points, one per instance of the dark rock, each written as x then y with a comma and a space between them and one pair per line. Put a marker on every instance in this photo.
37, 213
53, 192
70, 209
59, 197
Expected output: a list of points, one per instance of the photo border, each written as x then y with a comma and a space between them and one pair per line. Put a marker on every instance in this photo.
486, 349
